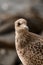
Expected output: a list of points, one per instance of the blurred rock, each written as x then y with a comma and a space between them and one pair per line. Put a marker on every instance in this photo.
20, 6
7, 57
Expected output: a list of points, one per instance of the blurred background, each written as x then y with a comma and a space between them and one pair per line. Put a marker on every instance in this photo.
10, 11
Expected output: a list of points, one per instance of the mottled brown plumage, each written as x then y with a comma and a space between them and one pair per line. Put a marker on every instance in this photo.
29, 46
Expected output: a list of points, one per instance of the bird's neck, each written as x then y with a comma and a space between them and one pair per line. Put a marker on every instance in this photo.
21, 31
21, 37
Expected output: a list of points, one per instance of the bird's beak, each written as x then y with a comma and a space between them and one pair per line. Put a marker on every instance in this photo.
26, 27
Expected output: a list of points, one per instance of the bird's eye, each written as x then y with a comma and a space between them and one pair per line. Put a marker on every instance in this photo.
19, 24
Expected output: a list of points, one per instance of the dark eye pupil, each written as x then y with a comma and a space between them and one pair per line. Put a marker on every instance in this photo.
19, 24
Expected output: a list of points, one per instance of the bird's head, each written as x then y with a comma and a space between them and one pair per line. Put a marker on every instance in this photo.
21, 24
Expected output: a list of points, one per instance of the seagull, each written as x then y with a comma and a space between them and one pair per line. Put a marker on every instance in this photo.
29, 46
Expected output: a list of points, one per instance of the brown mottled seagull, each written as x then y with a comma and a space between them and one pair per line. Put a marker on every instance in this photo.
29, 46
